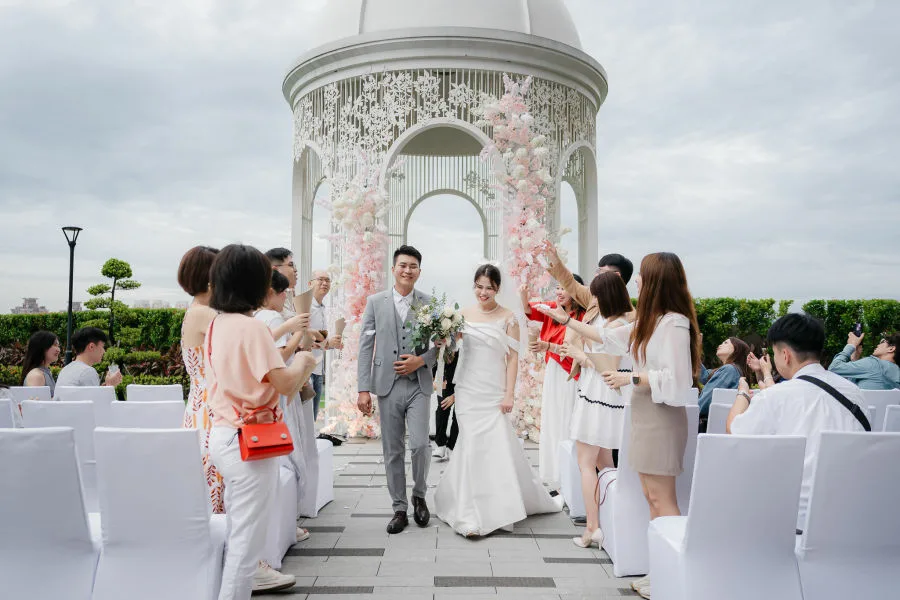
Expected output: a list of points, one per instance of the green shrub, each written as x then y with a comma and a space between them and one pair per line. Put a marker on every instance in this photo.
878, 317
158, 328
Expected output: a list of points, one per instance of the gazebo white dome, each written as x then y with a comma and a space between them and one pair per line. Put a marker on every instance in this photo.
342, 19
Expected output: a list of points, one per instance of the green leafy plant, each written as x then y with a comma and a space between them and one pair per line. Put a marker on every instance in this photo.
120, 272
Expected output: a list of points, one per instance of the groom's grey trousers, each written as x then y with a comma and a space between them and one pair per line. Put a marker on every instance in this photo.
406, 403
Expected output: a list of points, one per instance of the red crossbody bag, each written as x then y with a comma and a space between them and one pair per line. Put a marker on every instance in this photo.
257, 440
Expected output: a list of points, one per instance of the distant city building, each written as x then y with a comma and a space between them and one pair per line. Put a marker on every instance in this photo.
151, 304
183, 305
161, 304
142, 304
76, 306
29, 307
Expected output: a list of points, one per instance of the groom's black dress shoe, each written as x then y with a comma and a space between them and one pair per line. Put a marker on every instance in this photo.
398, 523
420, 511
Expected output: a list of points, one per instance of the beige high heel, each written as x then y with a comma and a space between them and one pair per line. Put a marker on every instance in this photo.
586, 541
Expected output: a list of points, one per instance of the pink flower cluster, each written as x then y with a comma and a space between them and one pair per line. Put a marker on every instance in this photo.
364, 242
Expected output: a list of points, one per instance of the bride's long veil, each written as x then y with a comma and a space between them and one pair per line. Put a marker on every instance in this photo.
509, 297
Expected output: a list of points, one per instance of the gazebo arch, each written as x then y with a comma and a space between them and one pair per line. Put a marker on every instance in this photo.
449, 192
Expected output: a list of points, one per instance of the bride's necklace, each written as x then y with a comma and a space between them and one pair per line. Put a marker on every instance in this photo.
487, 312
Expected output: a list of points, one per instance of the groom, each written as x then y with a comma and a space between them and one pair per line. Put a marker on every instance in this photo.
400, 375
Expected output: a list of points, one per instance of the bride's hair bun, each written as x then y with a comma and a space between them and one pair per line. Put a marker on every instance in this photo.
491, 272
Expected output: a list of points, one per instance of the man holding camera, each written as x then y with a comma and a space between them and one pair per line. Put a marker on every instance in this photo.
876, 372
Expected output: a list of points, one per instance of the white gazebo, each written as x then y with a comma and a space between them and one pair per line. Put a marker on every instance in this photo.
400, 81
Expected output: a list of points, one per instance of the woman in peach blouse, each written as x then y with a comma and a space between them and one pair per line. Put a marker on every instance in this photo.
244, 373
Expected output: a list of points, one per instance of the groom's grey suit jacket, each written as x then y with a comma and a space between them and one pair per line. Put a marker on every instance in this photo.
379, 345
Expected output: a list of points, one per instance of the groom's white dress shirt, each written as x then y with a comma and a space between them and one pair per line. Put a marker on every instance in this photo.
402, 303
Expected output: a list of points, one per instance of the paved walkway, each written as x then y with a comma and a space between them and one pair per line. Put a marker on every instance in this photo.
349, 554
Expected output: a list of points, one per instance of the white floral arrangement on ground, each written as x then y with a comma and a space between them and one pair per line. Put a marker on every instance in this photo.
437, 321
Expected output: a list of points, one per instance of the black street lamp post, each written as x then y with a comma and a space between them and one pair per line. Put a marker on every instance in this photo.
71, 234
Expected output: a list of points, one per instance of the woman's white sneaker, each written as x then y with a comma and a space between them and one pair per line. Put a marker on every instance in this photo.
268, 579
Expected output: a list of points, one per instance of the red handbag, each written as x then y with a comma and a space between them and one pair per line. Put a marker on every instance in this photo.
264, 440
257, 440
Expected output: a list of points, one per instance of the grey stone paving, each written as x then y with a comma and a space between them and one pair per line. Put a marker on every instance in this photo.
349, 554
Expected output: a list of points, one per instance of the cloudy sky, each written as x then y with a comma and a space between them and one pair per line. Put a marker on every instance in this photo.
758, 140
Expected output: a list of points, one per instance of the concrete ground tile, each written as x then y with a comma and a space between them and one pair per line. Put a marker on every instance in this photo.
517, 569
320, 540
334, 567
365, 597
410, 580
354, 541
589, 585
437, 568
466, 592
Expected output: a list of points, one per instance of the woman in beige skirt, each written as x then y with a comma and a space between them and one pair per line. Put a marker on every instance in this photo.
665, 344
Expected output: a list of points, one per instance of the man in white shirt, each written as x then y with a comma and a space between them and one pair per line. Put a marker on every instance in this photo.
795, 406
320, 284
89, 344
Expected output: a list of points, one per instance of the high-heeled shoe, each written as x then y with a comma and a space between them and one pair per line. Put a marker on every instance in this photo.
588, 540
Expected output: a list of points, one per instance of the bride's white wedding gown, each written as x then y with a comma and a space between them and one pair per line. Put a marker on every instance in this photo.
488, 484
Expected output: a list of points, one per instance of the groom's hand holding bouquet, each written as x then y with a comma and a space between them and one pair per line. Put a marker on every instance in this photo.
440, 323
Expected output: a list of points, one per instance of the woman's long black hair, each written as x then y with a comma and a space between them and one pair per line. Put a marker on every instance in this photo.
36, 350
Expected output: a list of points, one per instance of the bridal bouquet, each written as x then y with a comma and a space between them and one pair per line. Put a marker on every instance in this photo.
435, 321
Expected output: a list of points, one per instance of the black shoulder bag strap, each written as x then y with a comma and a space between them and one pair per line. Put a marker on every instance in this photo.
851, 406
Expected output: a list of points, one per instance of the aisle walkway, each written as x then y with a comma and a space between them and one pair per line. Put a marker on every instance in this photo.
349, 554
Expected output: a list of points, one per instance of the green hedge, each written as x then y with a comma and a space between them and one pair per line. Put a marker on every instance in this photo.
11, 375
159, 328
878, 317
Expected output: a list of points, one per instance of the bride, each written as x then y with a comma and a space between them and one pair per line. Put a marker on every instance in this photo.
488, 484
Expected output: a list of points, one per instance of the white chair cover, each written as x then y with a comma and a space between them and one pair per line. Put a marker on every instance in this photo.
570, 478
46, 549
282, 532
80, 417
159, 540
147, 415
892, 418
850, 547
880, 399
693, 396
871, 411
19, 394
325, 491
624, 515
102, 396
724, 396
154, 393
718, 416
6, 413
737, 541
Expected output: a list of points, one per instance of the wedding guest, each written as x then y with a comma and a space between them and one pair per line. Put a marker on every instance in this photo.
559, 390
282, 261
287, 336
41, 352
876, 372
193, 277
599, 410
446, 400
245, 374
320, 285
733, 353
89, 344
664, 342
796, 406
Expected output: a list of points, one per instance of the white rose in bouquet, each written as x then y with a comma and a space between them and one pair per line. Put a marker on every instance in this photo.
448, 311
457, 317
425, 319
446, 324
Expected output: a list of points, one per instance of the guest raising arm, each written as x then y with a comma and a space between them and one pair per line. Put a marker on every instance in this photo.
876, 372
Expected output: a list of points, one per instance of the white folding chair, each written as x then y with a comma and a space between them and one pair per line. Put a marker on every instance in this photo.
684, 481
871, 411
154, 393
737, 541
850, 547
159, 540
282, 533
718, 416
693, 397
147, 415
880, 399
102, 396
80, 417
6, 414
892, 418
43, 524
570, 478
19, 394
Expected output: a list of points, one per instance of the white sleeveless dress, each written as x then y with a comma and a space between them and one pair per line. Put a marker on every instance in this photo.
488, 484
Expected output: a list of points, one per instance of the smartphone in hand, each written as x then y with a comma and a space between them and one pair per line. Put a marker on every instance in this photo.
858, 329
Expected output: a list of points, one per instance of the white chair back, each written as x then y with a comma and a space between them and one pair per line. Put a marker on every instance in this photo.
154, 503
854, 509
729, 474
683, 482
102, 396
880, 399
724, 396
80, 417
693, 396
6, 415
19, 394
147, 415
870, 415
154, 393
43, 517
892, 418
718, 416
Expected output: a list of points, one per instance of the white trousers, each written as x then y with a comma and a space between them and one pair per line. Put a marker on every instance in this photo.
248, 507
